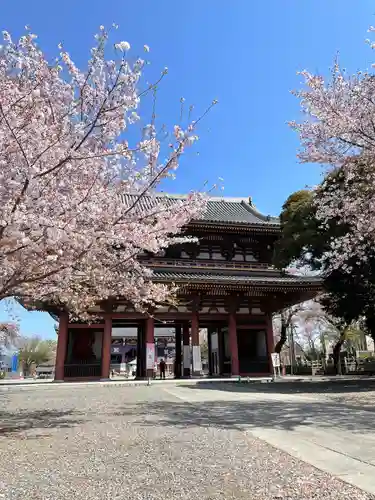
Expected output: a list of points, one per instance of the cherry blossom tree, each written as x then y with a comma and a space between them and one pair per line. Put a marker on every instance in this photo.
9, 334
317, 330
348, 296
74, 217
283, 321
339, 133
289, 317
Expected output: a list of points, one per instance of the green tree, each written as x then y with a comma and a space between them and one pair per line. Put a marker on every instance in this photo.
304, 239
35, 351
299, 232
204, 350
349, 292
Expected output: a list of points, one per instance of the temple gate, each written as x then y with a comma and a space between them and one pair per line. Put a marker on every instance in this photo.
227, 285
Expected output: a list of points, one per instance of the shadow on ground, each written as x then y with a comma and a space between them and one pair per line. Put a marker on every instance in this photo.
289, 387
241, 415
17, 422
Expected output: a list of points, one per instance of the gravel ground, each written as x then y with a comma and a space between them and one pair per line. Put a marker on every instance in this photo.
363, 399
142, 443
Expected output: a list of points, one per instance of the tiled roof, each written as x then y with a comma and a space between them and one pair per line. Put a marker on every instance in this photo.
181, 277
234, 210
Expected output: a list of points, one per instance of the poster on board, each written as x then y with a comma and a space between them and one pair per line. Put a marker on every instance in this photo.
275, 359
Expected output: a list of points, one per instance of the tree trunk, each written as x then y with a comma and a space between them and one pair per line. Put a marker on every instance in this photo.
26, 366
323, 346
283, 337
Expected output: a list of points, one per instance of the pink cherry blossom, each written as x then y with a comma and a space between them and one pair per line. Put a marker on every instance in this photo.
339, 134
67, 234
9, 334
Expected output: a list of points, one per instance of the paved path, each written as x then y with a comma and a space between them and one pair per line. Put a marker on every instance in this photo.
337, 438
194, 442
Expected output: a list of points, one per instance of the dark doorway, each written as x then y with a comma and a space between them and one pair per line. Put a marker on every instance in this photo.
83, 354
252, 353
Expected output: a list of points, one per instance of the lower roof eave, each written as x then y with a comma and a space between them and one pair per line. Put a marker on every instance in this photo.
296, 287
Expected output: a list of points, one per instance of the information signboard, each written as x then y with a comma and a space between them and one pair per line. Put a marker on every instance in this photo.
275, 359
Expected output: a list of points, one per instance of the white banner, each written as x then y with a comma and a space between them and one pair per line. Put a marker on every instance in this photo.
197, 361
187, 356
150, 356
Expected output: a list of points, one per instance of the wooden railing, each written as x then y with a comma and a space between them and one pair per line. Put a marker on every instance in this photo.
208, 264
82, 370
327, 367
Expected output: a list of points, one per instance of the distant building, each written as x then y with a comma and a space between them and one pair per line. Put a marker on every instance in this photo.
45, 370
5, 360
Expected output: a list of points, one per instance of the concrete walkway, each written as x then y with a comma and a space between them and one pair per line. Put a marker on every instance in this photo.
335, 437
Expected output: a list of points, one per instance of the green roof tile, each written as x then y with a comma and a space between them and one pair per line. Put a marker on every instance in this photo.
232, 210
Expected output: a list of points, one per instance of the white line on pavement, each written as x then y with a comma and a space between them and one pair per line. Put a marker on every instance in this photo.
177, 395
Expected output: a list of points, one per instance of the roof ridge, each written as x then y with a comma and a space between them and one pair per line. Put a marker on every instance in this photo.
231, 199
253, 210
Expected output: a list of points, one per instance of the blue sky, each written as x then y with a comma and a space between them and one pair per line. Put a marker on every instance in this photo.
245, 53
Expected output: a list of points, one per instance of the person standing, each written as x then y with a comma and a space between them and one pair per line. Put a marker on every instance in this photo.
162, 368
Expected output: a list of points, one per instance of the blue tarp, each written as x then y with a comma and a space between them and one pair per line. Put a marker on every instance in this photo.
14, 362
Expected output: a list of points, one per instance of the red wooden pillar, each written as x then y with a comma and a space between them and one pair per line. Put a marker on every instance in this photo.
150, 347
106, 348
141, 350
178, 358
232, 329
186, 349
270, 341
197, 361
221, 349
209, 342
62, 343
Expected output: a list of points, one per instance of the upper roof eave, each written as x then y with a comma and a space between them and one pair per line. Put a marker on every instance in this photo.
222, 211
205, 223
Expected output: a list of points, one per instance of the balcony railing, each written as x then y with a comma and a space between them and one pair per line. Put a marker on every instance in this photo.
208, 264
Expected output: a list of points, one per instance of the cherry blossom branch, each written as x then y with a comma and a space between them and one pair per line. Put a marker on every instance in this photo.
177, 153
61, 219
